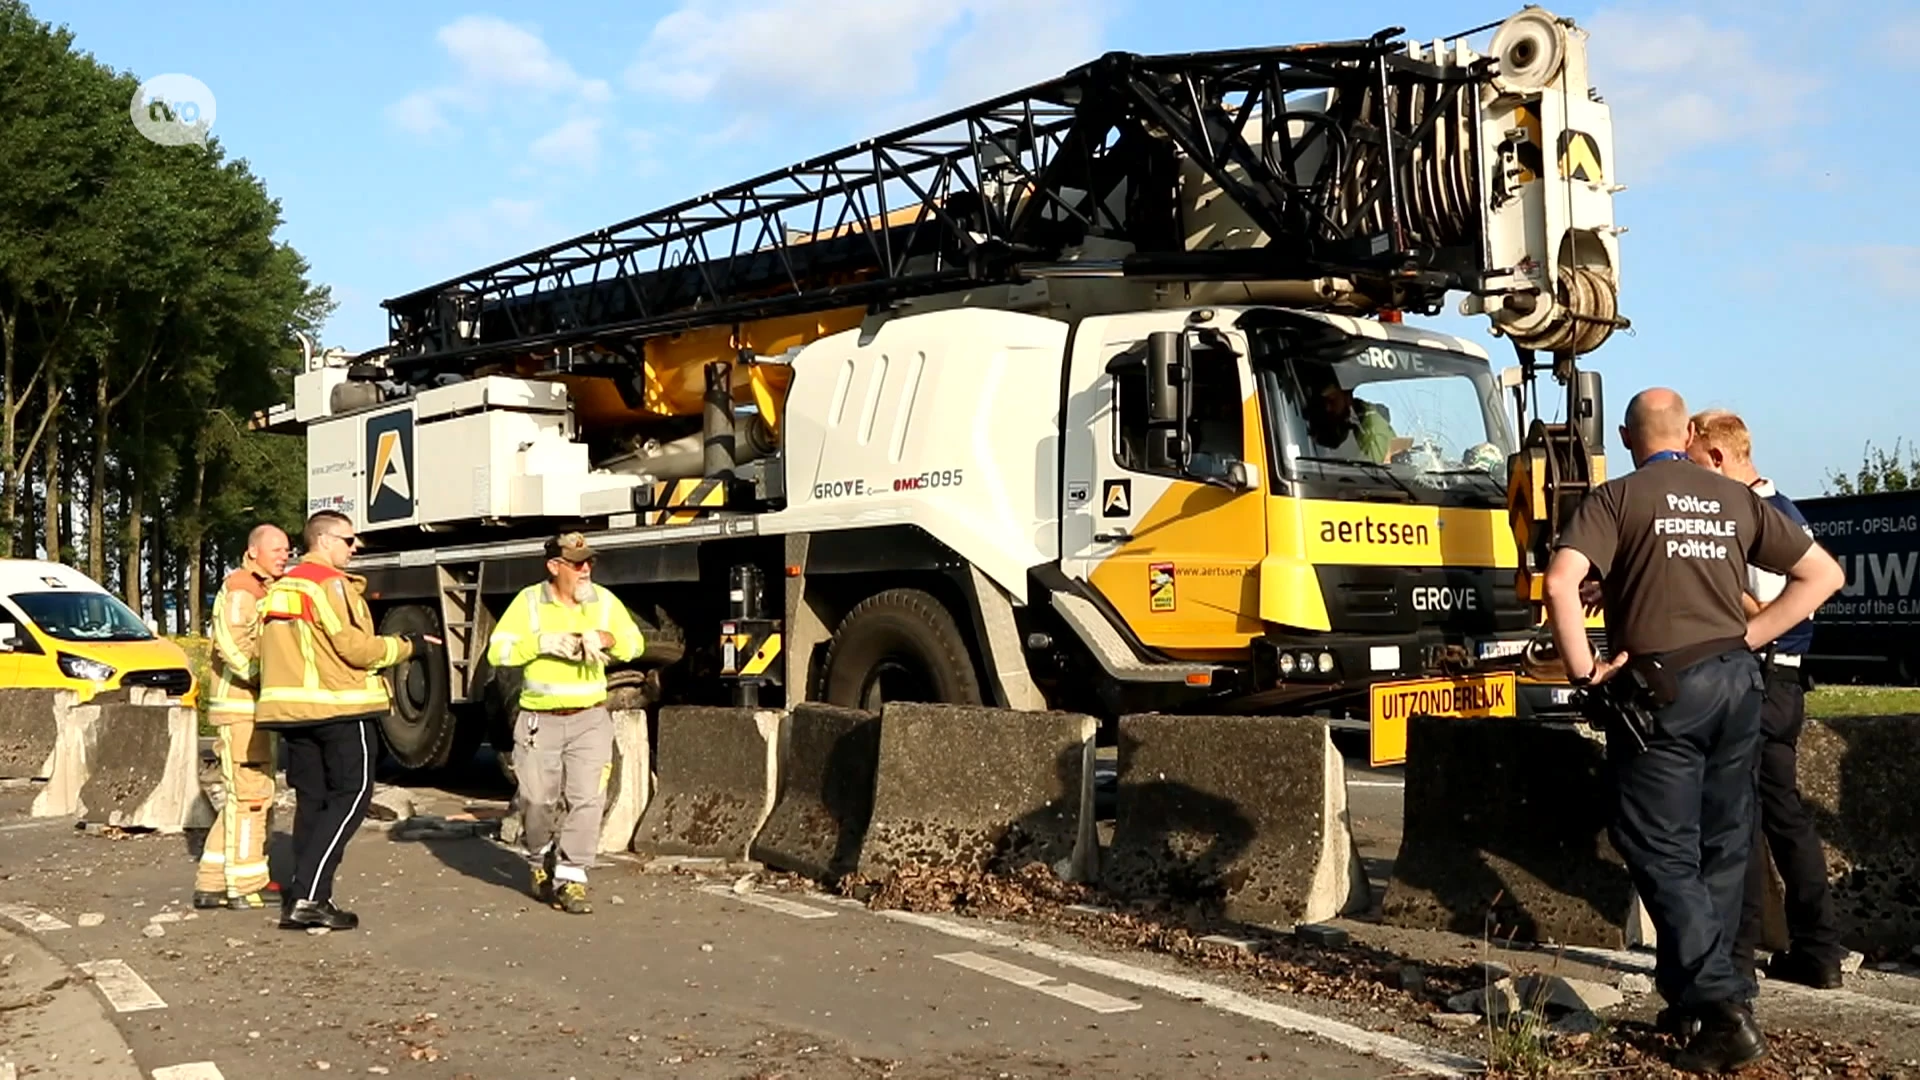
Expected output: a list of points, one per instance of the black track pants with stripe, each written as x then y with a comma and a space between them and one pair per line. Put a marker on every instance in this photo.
330, 768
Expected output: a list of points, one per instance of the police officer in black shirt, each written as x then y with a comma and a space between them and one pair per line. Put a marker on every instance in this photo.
1680, 695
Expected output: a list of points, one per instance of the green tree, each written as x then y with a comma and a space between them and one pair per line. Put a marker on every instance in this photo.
146, 309
1880, 470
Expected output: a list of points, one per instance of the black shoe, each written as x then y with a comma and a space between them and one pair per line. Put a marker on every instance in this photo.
1728, 1039
1798, 967
1678, 1021
205, 900
305, 914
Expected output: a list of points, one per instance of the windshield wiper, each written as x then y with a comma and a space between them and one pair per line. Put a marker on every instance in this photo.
1362, 463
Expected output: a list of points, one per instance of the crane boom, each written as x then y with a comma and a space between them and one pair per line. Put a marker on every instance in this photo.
1371, 173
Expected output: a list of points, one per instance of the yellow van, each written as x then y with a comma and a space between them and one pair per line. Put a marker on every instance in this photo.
60, 629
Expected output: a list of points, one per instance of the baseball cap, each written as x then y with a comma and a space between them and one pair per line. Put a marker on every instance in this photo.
569, 546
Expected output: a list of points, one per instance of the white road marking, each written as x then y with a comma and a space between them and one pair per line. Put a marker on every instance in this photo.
37, 921
1628, 960
1422, 1059
197, 1070
1085, 997
123, 987
1377, 783
771, 903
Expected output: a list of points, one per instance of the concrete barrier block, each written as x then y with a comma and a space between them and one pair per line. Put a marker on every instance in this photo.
143, 769
1505, 833
827, 771
1244, 814
629, 781
30, 730
73, 747
985, 789
717, 777
1856, 777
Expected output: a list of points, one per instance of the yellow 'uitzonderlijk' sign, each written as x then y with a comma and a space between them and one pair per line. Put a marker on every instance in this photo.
1391, 705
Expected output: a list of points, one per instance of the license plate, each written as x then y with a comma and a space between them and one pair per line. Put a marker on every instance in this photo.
1391, 705
1497, 650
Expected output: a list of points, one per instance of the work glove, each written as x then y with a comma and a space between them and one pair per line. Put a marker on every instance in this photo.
591, 641
563, 646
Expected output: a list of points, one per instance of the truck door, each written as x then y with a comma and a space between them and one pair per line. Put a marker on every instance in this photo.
1174, 555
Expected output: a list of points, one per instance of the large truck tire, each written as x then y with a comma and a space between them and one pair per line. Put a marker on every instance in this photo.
420, 727
900, 645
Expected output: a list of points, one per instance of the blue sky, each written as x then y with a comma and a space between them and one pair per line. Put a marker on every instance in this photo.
1770, 153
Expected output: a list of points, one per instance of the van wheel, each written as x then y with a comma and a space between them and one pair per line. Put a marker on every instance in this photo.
900, 645
420, 726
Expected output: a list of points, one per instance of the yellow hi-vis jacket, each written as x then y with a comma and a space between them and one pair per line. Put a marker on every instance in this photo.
320, 658
236, 654
555, 682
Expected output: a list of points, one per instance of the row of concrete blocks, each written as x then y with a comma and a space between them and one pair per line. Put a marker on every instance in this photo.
1506, 834
1246, 815
128, 758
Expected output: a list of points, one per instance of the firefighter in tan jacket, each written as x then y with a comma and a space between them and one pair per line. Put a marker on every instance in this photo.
232, 871
321, 690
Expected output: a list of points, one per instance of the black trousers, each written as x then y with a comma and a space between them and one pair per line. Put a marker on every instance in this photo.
1684, 825
1789, 833
330, 768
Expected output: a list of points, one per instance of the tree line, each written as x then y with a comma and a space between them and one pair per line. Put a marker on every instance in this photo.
146, 311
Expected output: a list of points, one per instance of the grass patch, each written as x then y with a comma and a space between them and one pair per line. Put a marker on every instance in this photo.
1828, 701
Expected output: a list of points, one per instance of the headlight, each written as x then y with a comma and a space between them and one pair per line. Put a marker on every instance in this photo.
79, 667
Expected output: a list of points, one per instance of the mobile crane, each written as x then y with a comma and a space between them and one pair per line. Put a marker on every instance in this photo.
1096, 395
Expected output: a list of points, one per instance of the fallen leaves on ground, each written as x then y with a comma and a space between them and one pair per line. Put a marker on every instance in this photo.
1352, 974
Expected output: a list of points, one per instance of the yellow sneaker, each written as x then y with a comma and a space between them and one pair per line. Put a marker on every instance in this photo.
542, 885
571, 898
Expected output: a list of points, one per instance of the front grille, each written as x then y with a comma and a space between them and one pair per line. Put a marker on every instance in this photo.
1598, 640
173, 681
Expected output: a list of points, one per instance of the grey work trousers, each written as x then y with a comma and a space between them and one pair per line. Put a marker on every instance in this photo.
556, 756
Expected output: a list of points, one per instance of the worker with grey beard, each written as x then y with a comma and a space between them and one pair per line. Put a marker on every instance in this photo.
563, 633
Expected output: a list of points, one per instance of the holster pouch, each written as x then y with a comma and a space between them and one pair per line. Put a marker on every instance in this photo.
1632, 699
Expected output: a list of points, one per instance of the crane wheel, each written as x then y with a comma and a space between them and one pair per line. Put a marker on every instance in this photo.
900, 645
419, 729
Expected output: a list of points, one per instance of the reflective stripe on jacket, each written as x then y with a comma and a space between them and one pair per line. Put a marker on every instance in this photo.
236, 654
319, 655
553, 682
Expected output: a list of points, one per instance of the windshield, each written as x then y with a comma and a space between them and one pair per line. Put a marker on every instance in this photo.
1355, 417
82, 616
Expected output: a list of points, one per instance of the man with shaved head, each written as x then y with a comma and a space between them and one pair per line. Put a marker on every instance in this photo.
233, 866
1680, 695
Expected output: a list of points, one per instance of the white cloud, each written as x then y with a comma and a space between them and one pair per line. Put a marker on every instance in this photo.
1893, 269
494, 60
494, 52
574, 143
1677, 83
775, 55
422, 112
473, 235
1899, 41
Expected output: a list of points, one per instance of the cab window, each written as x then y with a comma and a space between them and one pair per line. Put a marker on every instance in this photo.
81, 616
1215, 430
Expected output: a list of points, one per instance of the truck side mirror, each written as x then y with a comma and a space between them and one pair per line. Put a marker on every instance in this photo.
1169, 399
1588, 411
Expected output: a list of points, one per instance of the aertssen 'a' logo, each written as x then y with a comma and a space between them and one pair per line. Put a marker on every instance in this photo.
390, 467
1116, 498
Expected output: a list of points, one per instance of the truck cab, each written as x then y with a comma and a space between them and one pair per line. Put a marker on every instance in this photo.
1315, 502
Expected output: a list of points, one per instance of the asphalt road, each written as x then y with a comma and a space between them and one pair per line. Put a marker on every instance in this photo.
456, 973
